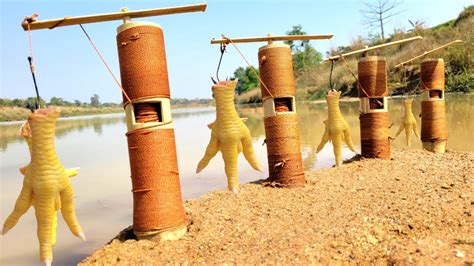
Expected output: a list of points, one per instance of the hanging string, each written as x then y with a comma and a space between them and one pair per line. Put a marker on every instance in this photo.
331, 86
355, 77
249, 65
404, 80
28, 20
105, 63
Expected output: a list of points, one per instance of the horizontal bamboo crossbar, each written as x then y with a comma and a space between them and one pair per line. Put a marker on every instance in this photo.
336, 57
68, 21
428, 52
273, 38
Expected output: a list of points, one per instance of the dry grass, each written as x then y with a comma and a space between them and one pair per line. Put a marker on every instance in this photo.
13, 113
458, 58
252, 96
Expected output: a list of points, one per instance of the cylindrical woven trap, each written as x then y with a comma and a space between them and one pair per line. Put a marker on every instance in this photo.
432, 74
158, 211
374, 118
374, 133
156, 188
372, 76
276, 71
285, 164
142, 57
434, 133
282, 131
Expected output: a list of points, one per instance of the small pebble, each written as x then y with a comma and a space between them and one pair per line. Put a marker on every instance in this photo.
458, 253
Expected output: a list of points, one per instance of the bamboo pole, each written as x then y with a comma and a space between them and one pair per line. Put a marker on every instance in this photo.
68, 21
336, 57
271, 38
428, 52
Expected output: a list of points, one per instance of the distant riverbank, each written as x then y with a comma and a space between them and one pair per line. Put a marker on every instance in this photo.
17, 113
10, 114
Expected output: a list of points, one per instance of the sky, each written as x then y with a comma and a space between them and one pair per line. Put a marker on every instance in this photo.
68, 67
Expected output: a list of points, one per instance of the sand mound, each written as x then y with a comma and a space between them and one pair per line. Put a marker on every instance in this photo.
415, 208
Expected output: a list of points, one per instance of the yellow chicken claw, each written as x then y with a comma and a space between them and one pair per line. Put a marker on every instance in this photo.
408, 122
25, 131
336, 128
229, 135
46, 184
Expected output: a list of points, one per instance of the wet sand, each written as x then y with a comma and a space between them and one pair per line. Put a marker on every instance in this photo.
415, 208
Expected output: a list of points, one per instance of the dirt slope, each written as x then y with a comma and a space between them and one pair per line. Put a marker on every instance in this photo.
416, 208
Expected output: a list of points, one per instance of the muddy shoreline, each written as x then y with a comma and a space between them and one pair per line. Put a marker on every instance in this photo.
416, 208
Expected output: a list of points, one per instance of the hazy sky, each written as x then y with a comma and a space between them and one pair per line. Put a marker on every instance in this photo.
67, 66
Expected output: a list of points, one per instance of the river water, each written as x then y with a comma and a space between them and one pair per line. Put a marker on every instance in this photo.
97, 144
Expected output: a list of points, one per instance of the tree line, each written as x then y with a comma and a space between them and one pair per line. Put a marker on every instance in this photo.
30, 103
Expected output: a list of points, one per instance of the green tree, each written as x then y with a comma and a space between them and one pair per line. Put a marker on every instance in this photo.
30, 103
77, 103
56, 101
6, 102
95, 100
247, 79
304, 55
18, 102
297, 45
308, 57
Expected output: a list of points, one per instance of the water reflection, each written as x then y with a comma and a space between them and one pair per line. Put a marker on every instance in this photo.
459, 116
10, 132
103, 198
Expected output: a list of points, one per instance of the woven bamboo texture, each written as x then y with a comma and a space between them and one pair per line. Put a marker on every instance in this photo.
143, 68
374, 135
276, 71
372, 76
433, 121
284, 151
432, 74
157, 199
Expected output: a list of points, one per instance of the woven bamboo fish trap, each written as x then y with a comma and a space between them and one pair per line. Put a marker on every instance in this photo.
374, 117
434, 134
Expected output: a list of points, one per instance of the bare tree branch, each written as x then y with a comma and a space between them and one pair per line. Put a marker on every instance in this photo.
377, 14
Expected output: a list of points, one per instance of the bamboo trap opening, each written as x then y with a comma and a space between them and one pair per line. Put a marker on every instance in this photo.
376, 103
436, 94
283, 104
148, 112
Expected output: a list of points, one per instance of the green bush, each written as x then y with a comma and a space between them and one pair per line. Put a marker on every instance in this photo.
247, 79
460, 83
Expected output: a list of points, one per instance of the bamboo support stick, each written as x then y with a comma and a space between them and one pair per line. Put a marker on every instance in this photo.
336, 57
428, 52
271, 38
68, 21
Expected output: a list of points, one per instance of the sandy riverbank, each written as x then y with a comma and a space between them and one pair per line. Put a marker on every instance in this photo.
415, 208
